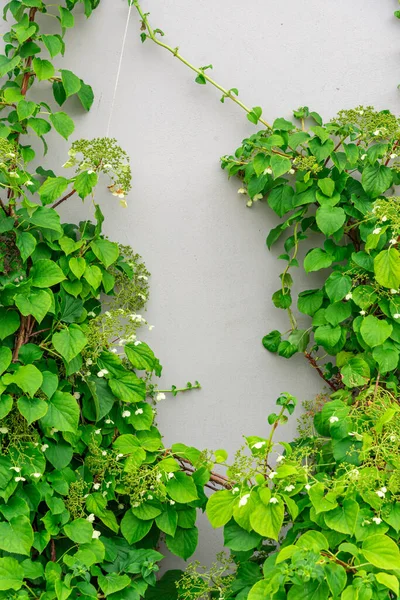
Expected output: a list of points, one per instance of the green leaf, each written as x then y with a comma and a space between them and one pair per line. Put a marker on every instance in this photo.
327, 336
141, 357
280, 199
313, 540
46, 273
66, 17
128, 387
26, 244
280, 165
86, 96
5, 358
337, 286
36, 304
355, 373
168, 520
71, 83
93, 276
327, 186
343, 518
260, 591
63, 124
387, 268
32, 409
389, 581
77, 266
9, 322
220, 508
6, 404
53, 44
238, 539
84, 184
375, 331
111, 583
107, 252
182, 488
267, 519
376, 179
16, 536
69, 342
43, 69
52, 189
25, 109
63, 412
79, 531
317, 259
272, 341
183, 543
387, 357
330, 219
11, 574
28, 378
134, 529
381, 551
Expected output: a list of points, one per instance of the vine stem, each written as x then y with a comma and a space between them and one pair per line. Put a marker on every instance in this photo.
226, 93
314, 364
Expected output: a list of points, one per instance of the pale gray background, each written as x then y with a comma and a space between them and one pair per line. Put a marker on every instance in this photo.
212, 274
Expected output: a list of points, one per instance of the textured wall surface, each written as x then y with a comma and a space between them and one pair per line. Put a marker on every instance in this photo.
212, 276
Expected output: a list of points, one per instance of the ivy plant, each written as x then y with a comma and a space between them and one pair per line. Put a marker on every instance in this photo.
87, 488
318, 518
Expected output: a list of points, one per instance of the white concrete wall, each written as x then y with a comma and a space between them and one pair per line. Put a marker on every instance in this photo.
212, 274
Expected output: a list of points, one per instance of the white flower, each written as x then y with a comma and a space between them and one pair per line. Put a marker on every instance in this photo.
363, 156
249, 203
274, 501
172, 502
307, 486
139, 411
90, 518
36, 475
121, 506
377, 132
257, 197
96, 486
171, 475
258, 445
268, 171
104, 453
77, 395
291, 171
377, 520
151, 327
98, 431
89, 362
100, 373
393, 241
119, 456
383, 219
109, 422
377, 230
108, 483
393, 155
244, 499
235, 490
280, 458
14, 174
4, 430
16, 469
352, 433
107, 166
272, 474
362, 312
29, 182
393, 291
349, 296
333, 419
384, 490
137, 343
149, 497
160, 396
242, 191
20, 479
289, 488
126, 414
107, 313
96, 534
396, 316
354, 473
53, 430
91, 314
90, 172
44, 447
393, 438
380, 493
114, 350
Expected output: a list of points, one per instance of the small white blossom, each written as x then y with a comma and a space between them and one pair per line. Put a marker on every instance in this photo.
393, 291
280, 458
121, 506
384, 490
137, 343
77, 395
53, 430
172, 502
151, 327
109, 422
108, 483
244, 499
258, 445
96, 486
396, 316
274, 500
380, 493
257, 197
289, 488
393, 241
377, 132
126, 414
242, 191
91, 314
377, 520
150, 497
98, 431
29, 182
393, 155
377, 230
96, 534
272, 474
363, 156
14, 174
16, 469
4, 430
235, 490
349, 296
119, 456
102, 372
393, 438
333, 419
36, 475
362, 312
307, 486
139, 411
104, 453
291, 171
160, 396
268, 171
89, 362
107, 313
171, 475
249, 203
114, 350
107, 166
20, 479
384, 219
90, 172
90, 518
44, 447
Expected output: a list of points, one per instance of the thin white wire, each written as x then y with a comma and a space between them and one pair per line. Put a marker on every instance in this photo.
119, 69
